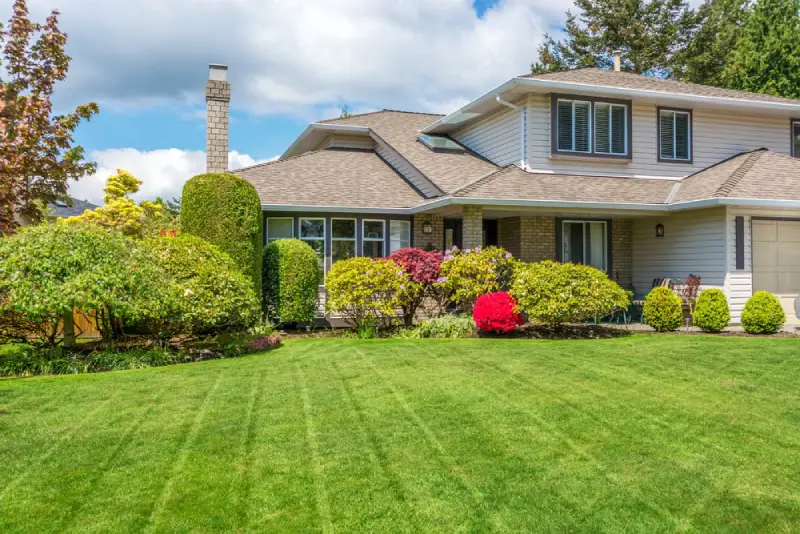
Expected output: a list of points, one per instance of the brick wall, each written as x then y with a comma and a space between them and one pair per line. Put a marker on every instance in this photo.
218, 97
473, 226
537, 238
622, 251
508, 235
435, 240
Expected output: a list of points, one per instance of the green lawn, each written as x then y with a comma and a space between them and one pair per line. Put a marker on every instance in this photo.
642, 434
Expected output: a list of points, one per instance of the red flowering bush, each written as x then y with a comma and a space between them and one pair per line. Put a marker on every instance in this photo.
494, 312
422, 268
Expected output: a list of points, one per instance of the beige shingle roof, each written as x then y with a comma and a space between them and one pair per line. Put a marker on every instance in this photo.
333, 177
628, 80
759, 174
400, 130
512, 183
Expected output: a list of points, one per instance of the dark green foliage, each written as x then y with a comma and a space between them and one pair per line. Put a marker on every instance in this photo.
650, 33
711, 312
225, 210
291, 281
662, 310
763, 314
767, 57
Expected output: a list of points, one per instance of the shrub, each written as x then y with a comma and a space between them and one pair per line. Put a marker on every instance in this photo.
211, 293
468, 274
711, 312
225, 210
554, 293
496, 312
662, 310
366, 292
291, 281
423, 269
763, 314
444, 326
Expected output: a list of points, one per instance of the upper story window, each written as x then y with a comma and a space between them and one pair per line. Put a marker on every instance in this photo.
674, 135
591, 127
796, 138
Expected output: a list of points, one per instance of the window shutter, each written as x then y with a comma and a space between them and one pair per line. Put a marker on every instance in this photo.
618, 137
564, 125
602, 133
681, 136
582, 123
667, 120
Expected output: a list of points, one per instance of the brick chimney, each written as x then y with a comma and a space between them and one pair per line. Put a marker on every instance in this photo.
218, 96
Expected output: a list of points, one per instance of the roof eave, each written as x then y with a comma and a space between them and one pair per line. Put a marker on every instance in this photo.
318, 126
486, 97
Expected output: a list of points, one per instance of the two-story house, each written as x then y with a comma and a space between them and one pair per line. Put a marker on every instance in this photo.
640, 177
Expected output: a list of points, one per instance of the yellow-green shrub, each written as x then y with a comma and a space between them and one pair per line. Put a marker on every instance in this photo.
711, 311
291, 281
662, 310
763, 314
467, 274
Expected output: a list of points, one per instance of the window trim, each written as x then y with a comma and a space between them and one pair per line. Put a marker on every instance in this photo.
688, 161
324, 240
554, 151
410, 232
610, 128
560, 239
266, 229
365, 239
793, 123
354, 239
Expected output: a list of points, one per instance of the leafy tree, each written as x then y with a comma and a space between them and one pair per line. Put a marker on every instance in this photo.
120, 212
38, 153
767, 57
650, 34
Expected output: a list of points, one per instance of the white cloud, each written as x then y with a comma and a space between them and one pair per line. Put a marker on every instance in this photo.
163, 171
289, 56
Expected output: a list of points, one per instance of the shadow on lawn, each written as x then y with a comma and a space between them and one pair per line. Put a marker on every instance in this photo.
589, 331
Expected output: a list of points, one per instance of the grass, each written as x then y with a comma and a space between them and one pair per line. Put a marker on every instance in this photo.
641, 434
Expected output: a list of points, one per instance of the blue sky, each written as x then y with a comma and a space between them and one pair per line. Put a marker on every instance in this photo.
146, 62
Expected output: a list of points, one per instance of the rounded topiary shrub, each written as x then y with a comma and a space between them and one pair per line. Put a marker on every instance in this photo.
225, 210
763, 314
662, 310
711, 311
291, 281
496, 312
465, 275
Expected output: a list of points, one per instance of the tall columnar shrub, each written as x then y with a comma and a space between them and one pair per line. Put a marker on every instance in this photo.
225, 210
763, 314
366, 292
291, 281
711, 311
467, 274
555, 293
496, 312
662, 310
423, 268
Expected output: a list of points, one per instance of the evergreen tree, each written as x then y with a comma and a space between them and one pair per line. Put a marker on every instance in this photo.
766, 58
650, 33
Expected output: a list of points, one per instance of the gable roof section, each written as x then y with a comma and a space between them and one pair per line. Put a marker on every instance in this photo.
335, 178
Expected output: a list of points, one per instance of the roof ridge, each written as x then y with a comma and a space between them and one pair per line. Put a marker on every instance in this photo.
482, 179
279, 160
720, 162
736, 176
384, 110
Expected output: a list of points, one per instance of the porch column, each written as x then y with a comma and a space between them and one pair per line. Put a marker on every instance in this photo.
432, 241
473, 226
622, 251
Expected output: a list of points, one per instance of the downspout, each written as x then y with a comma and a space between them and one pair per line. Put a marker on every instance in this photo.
522, 151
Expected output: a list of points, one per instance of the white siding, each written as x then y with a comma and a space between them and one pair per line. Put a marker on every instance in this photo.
693, 243
717, 135
495, 137
405, 168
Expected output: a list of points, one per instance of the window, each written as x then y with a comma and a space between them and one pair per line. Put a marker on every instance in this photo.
591, 127
399, 235
674, 135
440, 142
574, 126
796, 138
312, 231
279, 228
585, 242
373, 231
610, 130
343, 239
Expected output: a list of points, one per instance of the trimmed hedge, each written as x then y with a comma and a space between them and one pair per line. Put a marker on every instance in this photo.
763, 314
662, 310
711, 311
291, 281
225, 210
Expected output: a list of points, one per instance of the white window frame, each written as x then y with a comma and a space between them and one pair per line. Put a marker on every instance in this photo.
399, 221
591, 126
354, 239
689, 135
266, 233
612, 105
794, 131
584, 222
324, 238
365, 239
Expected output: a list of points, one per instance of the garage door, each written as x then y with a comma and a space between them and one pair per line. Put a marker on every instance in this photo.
776, 261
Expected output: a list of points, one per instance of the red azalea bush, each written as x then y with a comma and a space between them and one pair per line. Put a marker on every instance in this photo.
494, 312
423, 269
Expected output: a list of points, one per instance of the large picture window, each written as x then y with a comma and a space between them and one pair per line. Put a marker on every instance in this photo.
399, 235
585, 242
796, 138
279, 228
373, 238
592, 127
312, 231
343, 239
675, 135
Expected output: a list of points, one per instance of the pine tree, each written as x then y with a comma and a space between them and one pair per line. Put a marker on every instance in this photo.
766, 58
650, 34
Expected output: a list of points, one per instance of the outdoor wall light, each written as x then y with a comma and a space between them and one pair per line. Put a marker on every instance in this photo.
659, 230
427, 228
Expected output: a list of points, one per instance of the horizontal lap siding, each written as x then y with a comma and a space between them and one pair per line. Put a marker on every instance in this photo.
495, 137
693, 243
717, 135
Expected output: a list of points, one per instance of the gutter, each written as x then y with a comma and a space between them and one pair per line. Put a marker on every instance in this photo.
522, 115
